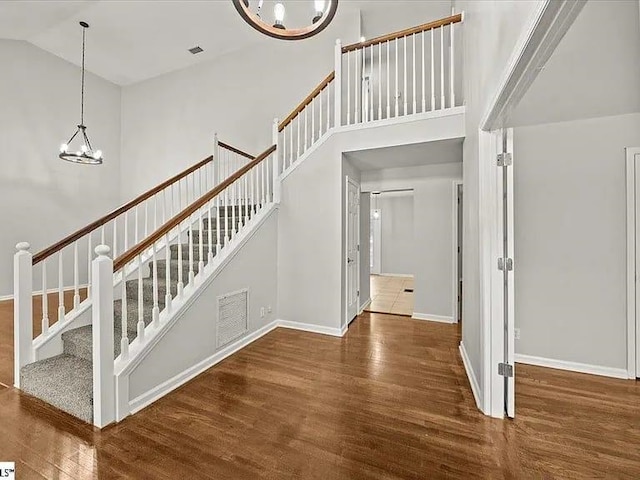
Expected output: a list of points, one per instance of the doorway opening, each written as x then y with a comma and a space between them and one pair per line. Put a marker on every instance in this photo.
392, 250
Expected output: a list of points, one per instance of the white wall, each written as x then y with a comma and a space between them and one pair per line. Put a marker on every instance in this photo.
434, 257
570, 239
45, 198
397, 242
169, 121
491, 31
194, 336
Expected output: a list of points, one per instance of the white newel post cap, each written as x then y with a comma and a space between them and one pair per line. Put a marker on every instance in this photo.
23, 246
102, 250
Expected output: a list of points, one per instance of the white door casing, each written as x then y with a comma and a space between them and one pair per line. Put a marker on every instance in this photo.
352, 249
505, 262
376, 239
633, 252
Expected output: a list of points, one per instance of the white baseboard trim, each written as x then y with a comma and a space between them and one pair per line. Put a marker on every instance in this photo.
403, 275
363, 306
473, 381
164, 388
432, 318
307, 327
572, 366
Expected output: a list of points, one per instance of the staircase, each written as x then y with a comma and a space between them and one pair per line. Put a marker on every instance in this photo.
157, 254
66, 380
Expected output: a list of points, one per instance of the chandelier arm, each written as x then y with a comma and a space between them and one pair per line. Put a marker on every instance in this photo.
73, 136
86, 140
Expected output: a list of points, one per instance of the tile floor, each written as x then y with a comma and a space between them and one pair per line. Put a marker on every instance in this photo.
388, 295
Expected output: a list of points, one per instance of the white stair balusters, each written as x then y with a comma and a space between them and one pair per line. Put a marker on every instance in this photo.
45, 300
61, 308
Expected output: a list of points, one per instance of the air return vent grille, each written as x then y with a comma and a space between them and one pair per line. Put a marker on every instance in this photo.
232, 316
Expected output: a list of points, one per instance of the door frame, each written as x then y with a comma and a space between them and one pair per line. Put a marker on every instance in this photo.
633, 318
352, 181
376, 227
454, 249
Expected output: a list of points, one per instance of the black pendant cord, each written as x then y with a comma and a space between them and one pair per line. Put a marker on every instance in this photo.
84, 29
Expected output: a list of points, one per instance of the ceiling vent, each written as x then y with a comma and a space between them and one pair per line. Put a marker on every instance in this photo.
196, 50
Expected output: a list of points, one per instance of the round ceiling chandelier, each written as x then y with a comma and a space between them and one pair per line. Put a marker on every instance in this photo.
85, 153
320, 15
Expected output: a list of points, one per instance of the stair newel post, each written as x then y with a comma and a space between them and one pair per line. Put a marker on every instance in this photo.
22, 309
338, 84
102, 318
276, 162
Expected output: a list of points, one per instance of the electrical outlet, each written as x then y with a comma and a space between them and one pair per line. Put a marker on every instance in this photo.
261, 312
516, 332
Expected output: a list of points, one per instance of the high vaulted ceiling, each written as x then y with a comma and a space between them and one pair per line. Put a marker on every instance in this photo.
134, 40
594, 71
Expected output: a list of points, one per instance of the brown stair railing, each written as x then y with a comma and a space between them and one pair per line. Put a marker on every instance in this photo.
66, 265
218, 216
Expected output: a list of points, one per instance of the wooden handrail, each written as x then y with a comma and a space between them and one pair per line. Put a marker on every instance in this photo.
235, 150
138, 249
403, 33
316, 91
68, 240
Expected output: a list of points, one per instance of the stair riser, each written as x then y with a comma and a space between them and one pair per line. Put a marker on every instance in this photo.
185, 253
147, 290
162, 268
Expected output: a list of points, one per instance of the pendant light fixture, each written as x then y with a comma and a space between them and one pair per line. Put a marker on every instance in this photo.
85, 153
321, 13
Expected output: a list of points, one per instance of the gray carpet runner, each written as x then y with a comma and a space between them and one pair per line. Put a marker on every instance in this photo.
66, 381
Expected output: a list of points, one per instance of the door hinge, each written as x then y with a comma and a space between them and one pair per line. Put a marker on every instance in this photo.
358, 293
504, 159
505, 370
505, 263
358, 248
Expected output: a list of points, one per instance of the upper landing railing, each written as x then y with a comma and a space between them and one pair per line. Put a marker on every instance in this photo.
403, 73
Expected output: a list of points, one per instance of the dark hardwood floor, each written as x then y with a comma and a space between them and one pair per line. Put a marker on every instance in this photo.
390, 400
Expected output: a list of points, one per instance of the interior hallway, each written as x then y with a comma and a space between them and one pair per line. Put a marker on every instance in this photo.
390, 400
389, 295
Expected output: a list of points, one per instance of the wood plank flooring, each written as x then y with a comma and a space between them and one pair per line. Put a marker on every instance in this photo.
390, 400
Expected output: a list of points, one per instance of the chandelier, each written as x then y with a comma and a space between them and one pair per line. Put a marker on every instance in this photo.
85, 153
320, 15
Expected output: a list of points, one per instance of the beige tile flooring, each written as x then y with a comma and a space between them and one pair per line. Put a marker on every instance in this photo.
388, 295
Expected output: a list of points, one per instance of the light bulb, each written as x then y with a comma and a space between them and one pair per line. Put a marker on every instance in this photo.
84, 148
97, 154
278, 12
63, 148
319, 6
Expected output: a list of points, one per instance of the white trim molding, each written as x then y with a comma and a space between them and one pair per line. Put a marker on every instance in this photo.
364, 306
432, 318
571, 366
455, 211
633, 330
473, 381
308, 327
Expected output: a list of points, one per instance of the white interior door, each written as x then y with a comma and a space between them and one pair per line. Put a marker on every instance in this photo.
352, 250
506, 265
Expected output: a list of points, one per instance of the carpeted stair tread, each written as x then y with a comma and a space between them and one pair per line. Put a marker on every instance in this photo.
64, 381
185, 252
174, 264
